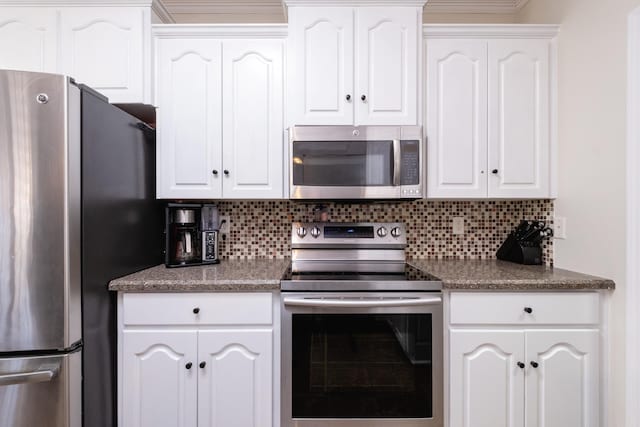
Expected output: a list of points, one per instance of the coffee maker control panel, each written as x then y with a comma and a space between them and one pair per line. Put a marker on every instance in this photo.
209, 246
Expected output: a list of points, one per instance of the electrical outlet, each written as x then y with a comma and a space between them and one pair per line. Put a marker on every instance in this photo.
560, 227
458, 225
225, 224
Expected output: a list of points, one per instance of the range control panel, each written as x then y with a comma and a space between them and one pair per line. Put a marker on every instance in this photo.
336, 235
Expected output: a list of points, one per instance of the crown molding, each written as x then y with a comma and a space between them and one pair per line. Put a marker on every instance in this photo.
223, 6
221, 31
475, 6
77, 3
434, 31
355, 3
159, 9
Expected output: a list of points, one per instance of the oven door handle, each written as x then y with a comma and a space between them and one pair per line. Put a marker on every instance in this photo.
360, 303
397, 162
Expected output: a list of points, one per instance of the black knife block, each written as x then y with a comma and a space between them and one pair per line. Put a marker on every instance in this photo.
518, 252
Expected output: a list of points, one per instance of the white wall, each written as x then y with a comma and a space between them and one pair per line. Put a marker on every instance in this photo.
592, 61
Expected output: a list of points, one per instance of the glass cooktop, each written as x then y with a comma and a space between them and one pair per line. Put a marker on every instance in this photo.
410, 279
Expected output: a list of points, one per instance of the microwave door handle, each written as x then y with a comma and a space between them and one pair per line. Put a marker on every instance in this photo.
397, 162
365, 303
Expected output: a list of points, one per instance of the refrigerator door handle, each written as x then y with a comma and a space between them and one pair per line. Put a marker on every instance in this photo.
44, 374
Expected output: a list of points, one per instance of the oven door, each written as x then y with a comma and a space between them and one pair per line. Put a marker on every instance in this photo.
361, 359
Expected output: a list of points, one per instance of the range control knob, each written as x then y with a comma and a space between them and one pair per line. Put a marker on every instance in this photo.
382, 232
301, 232
395, 232
315, 232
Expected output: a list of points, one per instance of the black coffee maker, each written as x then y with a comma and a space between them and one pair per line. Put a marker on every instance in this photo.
191, 234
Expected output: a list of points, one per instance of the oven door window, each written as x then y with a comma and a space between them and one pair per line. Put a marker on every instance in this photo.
343, 164
361, 366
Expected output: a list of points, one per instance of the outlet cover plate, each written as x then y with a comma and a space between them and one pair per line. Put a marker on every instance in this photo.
458, 225
559, 227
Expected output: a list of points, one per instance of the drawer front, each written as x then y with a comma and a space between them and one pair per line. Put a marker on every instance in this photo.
565, 308
198, 309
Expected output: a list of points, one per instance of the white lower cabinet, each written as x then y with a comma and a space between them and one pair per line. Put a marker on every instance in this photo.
531, 373
563, 390
159, 384
235, 383
197, 369
487, 387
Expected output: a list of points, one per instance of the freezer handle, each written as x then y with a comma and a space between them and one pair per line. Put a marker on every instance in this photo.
44, 374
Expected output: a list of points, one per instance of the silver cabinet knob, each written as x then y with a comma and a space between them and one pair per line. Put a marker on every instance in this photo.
395, 232
382, 231
301, 232
315, 232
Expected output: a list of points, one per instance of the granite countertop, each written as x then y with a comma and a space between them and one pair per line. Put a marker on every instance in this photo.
265, 275
229, 275
508, 276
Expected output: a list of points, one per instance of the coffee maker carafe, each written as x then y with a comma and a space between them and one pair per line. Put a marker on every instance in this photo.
191, 235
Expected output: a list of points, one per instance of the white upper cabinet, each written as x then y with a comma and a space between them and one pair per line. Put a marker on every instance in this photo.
252, 119
105, 48
28, 39
387, 65
519, 118
456, 118
220, 99
489, 111
321, 46
354, 65
189, 90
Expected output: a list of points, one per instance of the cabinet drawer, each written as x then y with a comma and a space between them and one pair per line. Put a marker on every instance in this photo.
509, 308
198, 309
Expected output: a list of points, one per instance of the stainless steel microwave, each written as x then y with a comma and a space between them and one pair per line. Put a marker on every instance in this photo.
356, 162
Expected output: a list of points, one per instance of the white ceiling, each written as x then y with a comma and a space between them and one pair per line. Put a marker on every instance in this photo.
250, 11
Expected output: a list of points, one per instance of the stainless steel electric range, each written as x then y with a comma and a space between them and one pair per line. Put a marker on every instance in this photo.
361, 331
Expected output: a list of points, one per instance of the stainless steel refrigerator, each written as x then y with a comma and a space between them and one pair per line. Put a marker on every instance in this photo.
77, 209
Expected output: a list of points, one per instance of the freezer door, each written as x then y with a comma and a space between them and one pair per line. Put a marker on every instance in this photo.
41, 391
39, 212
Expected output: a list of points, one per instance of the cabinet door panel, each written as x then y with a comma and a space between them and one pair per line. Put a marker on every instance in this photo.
563, 390
486, 384
103, 48
158, 390
519, 118
189, 80
35, 29
252, 119
322, 65
387, 66
456, 118
235, 385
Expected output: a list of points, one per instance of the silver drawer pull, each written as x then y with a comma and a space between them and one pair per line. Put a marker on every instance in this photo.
44, 374
362, 303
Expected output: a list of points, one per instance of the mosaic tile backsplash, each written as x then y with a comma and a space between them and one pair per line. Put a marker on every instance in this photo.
261, 229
